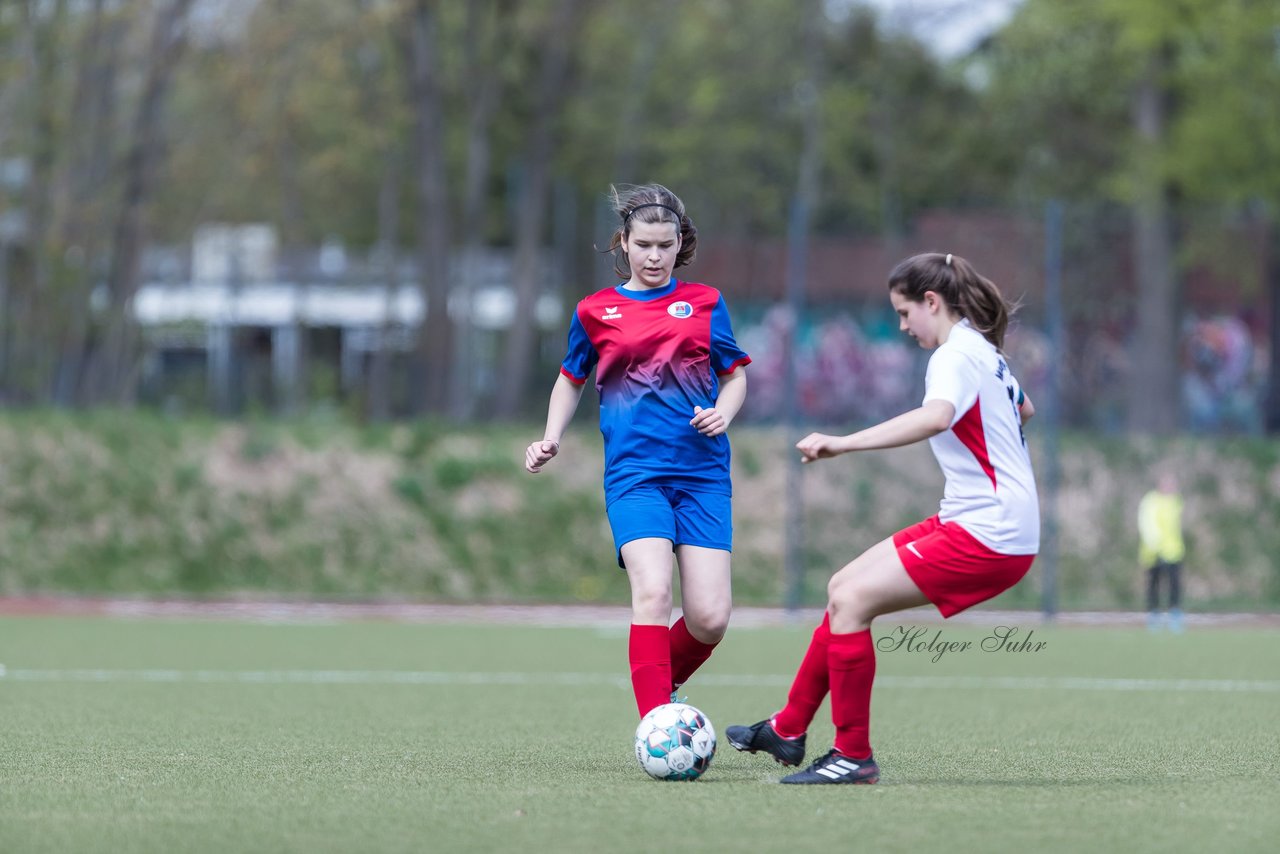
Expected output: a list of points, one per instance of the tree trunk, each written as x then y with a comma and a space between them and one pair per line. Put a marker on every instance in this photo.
1155, 395
531, 211
26, 360
84, 227
484, 37
434, 349
378, 113
112, 376
646, 50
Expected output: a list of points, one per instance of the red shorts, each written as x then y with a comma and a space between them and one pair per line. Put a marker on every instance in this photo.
952, 568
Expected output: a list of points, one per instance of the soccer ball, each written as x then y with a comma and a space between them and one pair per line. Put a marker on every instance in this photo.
675, 742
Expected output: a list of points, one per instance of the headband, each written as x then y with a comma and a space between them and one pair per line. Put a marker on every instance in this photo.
679, 216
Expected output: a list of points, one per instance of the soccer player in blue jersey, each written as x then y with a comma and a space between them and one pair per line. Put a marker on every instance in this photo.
671, 378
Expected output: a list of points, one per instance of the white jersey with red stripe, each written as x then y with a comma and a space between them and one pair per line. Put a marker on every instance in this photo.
991, 490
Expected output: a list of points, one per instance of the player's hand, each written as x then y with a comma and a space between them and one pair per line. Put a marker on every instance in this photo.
539, 454
818, 446
708, 422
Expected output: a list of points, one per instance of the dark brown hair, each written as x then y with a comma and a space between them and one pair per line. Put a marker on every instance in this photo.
963, 289
651, 203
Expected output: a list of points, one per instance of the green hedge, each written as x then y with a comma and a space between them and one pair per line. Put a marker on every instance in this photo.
130, 502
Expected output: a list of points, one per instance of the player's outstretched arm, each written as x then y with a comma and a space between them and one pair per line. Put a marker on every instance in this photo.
565, 395
908, 428
716, 419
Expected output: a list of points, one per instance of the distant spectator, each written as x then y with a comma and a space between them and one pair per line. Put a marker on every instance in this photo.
1221, 378
1161, 550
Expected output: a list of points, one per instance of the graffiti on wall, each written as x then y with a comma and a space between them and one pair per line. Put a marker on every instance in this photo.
856, 368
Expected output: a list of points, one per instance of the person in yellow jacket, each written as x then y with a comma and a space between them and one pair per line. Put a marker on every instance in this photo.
1161, 549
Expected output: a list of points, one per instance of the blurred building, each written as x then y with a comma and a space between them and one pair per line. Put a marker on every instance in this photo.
237, 323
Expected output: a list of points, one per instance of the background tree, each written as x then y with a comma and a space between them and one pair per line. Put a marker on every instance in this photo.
42, 33
111, 374
1137, 103
557, 35
86, 202
446, 130
487, 30
422, 46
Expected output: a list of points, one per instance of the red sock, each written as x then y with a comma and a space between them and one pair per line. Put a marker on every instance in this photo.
851, 659
809, 688
687, 653
650, 657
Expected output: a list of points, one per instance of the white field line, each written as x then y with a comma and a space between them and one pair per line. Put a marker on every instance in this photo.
440, 677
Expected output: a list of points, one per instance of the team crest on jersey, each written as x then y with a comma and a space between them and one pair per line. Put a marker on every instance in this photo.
611, 313
680, 309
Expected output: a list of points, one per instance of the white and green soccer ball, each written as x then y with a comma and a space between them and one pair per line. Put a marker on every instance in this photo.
675, 741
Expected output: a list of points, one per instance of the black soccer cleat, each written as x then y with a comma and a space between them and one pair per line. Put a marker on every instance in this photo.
835, 768
763, 737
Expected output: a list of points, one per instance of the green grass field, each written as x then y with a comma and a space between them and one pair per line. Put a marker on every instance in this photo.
216, 735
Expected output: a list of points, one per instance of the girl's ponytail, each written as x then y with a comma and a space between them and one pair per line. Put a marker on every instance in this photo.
964, 290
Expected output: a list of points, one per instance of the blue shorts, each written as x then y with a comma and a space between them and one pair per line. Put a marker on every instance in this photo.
670, 513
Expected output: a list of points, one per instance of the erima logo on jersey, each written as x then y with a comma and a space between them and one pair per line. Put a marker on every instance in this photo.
680, 309
610, 313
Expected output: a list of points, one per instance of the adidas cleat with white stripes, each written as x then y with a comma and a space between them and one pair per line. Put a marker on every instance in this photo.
834, 768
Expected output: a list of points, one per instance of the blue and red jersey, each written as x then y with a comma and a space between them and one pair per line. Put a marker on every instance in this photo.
657, 355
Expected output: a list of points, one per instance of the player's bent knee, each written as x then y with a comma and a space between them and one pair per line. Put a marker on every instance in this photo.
847, 602
843, 591
707, 626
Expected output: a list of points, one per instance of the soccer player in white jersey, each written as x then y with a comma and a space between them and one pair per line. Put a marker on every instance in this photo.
981, 542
